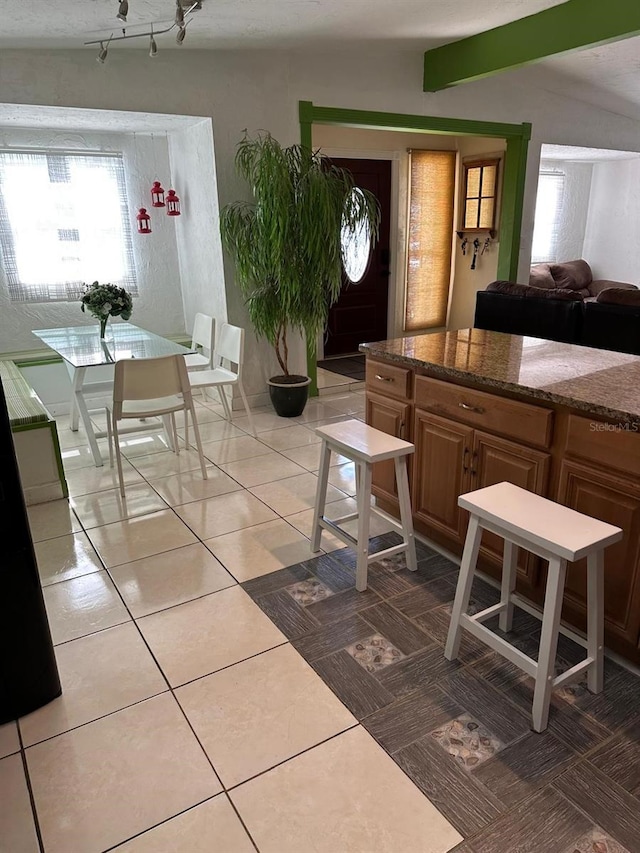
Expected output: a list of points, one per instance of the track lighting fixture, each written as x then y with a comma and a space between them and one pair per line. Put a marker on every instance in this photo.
102, 53
181, 20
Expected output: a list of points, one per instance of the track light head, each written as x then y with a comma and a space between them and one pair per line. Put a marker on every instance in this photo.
102, 53
123, 10
153, 47
182, 31
179, 18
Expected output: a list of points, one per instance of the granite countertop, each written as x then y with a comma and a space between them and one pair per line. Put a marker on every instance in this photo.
596, 381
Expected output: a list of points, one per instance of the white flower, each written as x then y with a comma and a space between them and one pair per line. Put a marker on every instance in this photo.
106, 308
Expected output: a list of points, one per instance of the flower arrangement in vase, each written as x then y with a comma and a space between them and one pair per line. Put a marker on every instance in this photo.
106, 300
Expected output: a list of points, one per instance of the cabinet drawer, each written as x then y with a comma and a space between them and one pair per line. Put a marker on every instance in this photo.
388, 379
609, 445
511, 418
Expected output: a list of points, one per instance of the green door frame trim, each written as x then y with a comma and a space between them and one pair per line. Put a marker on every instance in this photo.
570, 26
517, 137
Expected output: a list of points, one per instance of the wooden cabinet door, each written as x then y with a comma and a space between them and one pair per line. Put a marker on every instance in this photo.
394, 418
496, 460
440, 473
614, 499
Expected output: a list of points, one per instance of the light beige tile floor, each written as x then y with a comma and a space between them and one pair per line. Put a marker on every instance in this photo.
207, 634
260, 712
66, 557
261, 549
293, 494
225, 513
100, 673
173, 577
82, 606
17, 826
9, 742
122, 774
308, 804
114, 762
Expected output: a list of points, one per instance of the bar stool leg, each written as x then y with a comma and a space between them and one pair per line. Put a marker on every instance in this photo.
363, 480
463, 590
548, 642
595, 620
321, 495
509, 571
404, 501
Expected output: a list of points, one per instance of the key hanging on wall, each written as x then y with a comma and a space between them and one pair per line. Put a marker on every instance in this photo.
476, 246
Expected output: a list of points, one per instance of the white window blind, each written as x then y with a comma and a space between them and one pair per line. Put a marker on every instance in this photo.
64, 221
548, 217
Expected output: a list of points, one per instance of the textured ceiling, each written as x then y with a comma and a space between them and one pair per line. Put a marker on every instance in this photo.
572, 153
607, 77
266, 23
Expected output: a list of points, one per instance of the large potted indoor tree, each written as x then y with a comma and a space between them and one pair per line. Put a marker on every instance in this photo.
287, 247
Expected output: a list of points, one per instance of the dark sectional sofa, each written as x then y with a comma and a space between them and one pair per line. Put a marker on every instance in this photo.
562, 302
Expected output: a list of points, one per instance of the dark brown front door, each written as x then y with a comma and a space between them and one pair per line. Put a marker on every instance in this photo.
360, 314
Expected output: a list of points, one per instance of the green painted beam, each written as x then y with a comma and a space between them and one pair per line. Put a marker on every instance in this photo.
403, 123
574, 25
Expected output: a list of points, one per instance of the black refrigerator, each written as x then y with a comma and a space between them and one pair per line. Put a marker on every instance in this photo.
28, 672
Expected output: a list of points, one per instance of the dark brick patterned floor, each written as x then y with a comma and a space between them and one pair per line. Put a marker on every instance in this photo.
461, 730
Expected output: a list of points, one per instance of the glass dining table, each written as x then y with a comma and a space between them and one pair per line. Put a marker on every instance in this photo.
82, 349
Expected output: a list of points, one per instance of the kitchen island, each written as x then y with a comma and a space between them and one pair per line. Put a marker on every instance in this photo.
560, 420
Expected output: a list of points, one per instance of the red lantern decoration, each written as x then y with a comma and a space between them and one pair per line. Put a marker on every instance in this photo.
157, 195
143, 221
173, 204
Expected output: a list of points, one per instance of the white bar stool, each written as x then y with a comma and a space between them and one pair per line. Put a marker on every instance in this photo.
557, 534
364, 445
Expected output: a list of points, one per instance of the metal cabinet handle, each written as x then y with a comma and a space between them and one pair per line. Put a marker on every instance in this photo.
401, 430
384, 378
469, 408
474, 462
465, 456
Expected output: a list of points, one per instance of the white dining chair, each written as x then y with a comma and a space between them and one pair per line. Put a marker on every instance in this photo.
203, 341
147, 388
226, 369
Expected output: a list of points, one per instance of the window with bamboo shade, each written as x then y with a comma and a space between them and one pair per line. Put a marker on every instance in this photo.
480, 184
430, 233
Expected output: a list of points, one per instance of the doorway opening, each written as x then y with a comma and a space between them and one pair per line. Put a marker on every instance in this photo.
515, 139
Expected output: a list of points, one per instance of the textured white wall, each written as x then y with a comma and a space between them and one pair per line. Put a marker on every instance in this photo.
159, 306
199, 250
577, 188
261, 89
612, 238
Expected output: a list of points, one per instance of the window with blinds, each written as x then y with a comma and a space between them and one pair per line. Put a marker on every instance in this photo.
430, 234
548, 217
64, 221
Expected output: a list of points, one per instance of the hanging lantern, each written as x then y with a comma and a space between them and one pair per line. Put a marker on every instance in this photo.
173, 204
143, 221
157, 195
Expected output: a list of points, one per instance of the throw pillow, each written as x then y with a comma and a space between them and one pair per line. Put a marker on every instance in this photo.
540, 276
575, 275
619, 296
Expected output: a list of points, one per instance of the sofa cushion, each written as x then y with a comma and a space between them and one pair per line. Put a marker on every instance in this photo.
575, 275
600, 284
619, 296
511, 288
540, 276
